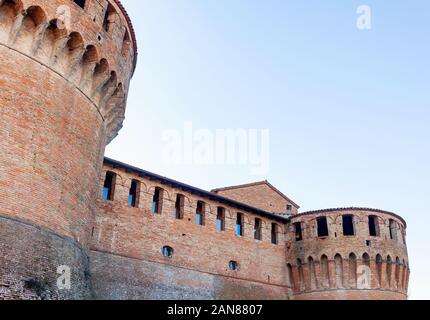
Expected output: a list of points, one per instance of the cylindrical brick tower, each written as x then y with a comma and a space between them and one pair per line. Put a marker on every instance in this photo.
65, 68
348, 254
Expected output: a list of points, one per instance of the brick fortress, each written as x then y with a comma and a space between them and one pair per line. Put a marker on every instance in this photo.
126, 233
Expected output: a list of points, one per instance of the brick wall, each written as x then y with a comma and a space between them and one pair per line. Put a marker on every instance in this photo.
139, 235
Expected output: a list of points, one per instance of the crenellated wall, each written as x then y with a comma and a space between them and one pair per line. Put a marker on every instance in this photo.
358, 266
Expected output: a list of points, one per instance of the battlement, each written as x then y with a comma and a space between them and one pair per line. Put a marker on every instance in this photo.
91, 44
332, 253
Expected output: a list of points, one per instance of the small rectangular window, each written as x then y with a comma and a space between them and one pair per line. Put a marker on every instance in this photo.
298, 230
179, 207
109, 187
257, 229
322, 227
200, 213
239, 225
289, 208
373, 226
133, 195
157, 201
275, 232
220, 219
348, 225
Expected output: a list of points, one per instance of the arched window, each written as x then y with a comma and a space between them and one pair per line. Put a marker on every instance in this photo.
109, 186
379, 269
325, 274
220, 219
275, 232
200, 213
178, 213
257, 229
157, 201
393, 230
353, 270
365, 278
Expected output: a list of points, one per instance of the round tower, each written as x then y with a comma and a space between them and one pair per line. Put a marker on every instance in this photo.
65, 69
348, 254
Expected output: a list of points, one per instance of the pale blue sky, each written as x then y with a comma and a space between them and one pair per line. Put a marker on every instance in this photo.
348, 110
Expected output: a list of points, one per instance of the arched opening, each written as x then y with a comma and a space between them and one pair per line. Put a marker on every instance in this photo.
220, 219
365, 273
91, 55
111, 17
126, 43
338, 261
233, 266
30, 31
379, 263
167, 252
179, 210
325, 283
200, 213
353, 270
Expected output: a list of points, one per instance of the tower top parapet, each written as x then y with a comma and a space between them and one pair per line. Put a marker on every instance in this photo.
90, 43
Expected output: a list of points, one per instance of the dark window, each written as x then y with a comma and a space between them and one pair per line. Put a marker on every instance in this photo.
289, 208
239, 225
109, 186
220, 219
157, 201
167, 252
179, 207
233, 265
373, 226
80, 3
257, 229
275, 231
133, 195
298, 230
322, 227
200, 213
348, 225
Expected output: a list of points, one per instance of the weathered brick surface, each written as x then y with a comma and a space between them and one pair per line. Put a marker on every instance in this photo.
62, 98
30, 256
120, 278
139, 234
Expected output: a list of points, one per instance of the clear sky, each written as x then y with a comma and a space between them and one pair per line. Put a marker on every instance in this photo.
347, 109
